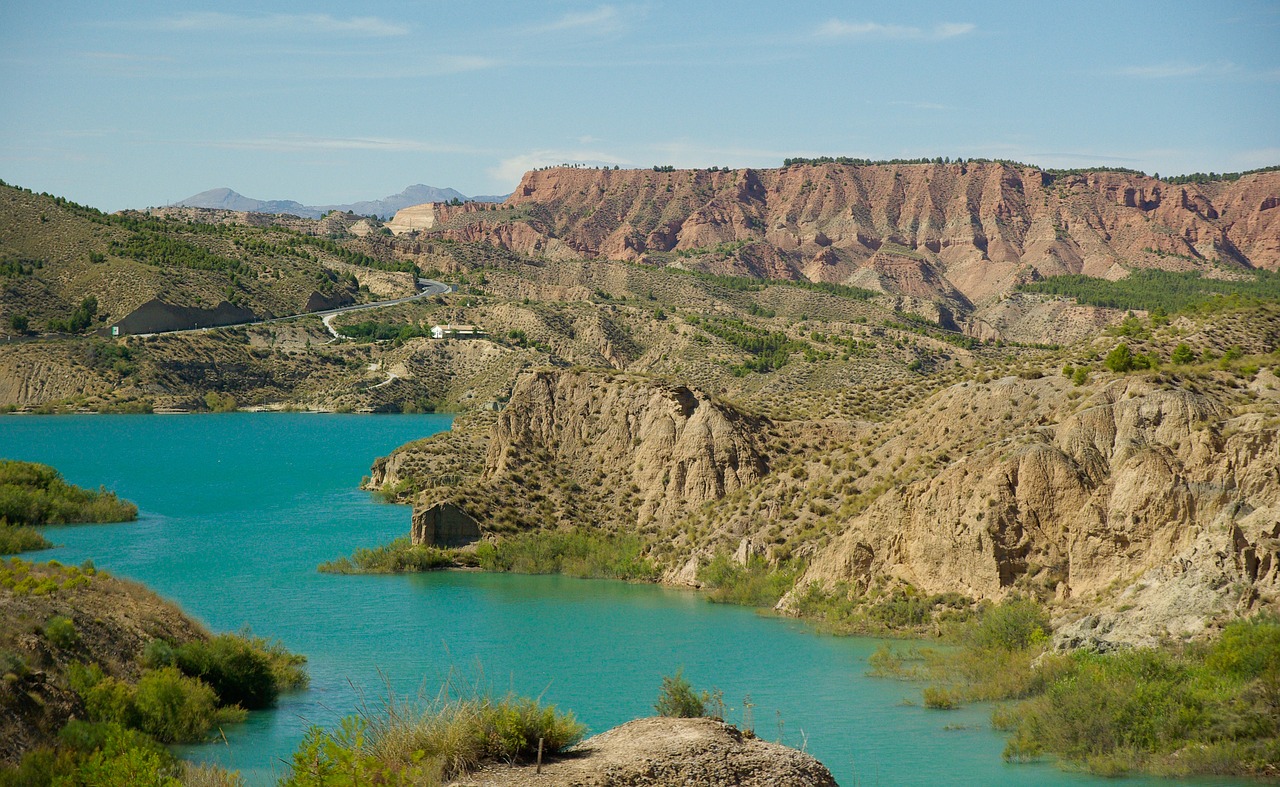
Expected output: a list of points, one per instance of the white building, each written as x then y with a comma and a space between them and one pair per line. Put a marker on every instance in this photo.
455, 332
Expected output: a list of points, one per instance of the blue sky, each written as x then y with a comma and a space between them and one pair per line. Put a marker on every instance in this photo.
132, 104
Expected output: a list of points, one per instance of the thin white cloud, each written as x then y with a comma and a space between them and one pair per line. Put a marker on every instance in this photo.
603, 20
926, 105
297, 143
836, 29
510, 170
288, 24
125, 57
1180, 70
454, 64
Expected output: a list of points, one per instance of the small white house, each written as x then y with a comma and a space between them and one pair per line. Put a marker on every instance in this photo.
455, 332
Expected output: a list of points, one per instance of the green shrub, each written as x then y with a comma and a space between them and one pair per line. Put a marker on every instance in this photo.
15, 539
1014, 624
220, 402
398, 557
91, 754
757, 584
172, 707
157, 653
1119, 359
579, 553
940, 698
1182, 355
61, 632
237, 672
106, 699
1179, 710
36, 494
678, 699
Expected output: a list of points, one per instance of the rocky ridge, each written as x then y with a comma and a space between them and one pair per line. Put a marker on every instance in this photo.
959, 233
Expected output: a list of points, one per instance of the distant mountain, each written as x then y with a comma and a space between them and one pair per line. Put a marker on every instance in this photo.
226, 199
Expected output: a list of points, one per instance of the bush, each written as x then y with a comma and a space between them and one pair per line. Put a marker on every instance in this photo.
757, 584
240, 670
677, 698
940, 698
398, 557
220, 402
164, 704
1119, 359
173, 708
97, 754
36, 494
1182, 354
577, 553
1178, 710
21, 539
1014, 624
61, 632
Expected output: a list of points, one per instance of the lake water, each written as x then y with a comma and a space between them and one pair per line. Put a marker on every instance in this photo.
238, 509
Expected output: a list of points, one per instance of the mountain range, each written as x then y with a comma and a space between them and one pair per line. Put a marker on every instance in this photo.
226, 199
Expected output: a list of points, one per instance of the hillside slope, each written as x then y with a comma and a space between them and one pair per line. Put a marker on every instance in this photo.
54, 254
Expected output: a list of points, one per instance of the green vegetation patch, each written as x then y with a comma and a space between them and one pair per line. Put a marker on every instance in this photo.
398, 557
165, 250
1176, 710
1207, 708
576, 553
679, 700
15, 539
374, 331
847, 610
752, 284
36, 494
770, 350
433, 744
25, 578
758, 583
100, 753
1151, 289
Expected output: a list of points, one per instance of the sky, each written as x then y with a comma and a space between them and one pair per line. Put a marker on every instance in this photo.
135, 104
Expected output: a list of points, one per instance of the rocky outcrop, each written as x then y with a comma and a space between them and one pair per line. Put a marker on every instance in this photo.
662, 752
932, 230
671, 445
1157, 506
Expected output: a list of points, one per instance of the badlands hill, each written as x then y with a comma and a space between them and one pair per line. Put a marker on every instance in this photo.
962, 233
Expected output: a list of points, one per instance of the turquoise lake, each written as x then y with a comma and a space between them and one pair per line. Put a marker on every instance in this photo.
238, 509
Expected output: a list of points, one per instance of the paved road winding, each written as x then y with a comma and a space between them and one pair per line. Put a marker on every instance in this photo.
429, 288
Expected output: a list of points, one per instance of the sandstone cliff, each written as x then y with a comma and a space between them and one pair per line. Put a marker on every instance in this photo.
585, 448
1155, 508
956, 232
